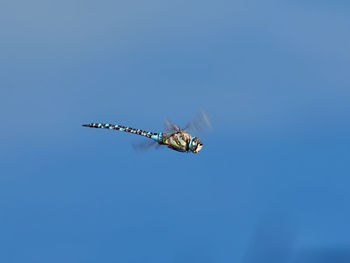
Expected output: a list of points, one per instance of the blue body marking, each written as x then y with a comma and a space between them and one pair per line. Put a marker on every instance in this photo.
157, 137
190, 145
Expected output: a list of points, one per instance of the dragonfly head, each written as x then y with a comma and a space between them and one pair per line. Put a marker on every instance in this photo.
195, 145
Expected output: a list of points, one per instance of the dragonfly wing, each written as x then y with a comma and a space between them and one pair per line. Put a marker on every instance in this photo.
145, 145
200, 123
170, 127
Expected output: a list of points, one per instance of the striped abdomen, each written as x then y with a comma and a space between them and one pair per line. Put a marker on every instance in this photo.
123, 128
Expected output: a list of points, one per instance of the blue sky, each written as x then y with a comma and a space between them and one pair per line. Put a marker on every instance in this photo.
271, 183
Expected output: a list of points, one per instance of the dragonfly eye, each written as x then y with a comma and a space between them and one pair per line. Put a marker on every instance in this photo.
193, 143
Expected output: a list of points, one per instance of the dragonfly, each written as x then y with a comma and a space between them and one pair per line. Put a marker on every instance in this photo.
174, 137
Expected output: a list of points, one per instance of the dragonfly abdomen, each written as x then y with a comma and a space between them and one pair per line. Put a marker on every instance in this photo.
122, 128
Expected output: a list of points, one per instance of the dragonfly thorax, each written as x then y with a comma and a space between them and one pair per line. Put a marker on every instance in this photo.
182, 141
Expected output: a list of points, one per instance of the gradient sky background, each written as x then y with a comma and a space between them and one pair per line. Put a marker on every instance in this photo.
272, 181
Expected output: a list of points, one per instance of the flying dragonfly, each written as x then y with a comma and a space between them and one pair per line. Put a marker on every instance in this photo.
175, 138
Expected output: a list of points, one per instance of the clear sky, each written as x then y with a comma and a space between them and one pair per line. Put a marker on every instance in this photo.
272, 181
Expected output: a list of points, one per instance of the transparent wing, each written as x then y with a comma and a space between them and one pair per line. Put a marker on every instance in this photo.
145, 145
200, 123
170, 127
